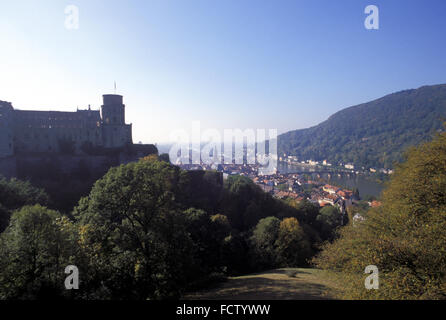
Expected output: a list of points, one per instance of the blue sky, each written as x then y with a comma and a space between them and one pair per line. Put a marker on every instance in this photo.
227, 63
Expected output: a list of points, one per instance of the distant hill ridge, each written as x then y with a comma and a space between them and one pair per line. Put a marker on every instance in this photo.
373, 134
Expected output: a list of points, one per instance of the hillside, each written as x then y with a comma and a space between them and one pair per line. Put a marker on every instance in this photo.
372, 134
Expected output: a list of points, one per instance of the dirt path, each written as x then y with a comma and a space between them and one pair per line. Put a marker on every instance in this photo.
279, 284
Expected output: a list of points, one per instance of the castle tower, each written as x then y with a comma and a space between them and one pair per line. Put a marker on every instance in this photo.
115, 132
113, 110
6, 130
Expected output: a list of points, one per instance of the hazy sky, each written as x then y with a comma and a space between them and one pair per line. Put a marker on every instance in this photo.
227, 63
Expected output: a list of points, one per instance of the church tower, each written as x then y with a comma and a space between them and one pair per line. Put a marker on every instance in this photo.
115, 132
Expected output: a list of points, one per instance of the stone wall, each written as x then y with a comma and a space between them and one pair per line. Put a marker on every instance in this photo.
8, 167
67, 178
54, 131
6, 133
51, 165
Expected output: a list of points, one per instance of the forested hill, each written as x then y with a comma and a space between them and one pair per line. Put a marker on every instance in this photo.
372, 134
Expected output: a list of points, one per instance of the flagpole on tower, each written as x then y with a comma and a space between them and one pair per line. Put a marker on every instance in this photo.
115, 87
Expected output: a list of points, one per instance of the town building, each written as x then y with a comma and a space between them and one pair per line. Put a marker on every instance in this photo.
349, 166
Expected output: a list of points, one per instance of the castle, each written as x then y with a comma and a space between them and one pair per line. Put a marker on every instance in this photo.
24, 132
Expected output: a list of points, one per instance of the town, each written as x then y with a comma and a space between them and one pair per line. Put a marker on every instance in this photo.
295, 186
350, 167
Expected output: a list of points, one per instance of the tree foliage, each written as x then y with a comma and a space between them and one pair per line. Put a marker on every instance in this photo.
404, 237
292, 245
15, 194
264, 244
35, 249
329, 220
149, 230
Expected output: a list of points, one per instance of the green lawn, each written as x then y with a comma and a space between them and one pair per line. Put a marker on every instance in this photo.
278, 284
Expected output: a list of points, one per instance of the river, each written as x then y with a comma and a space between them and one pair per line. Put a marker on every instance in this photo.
365, 185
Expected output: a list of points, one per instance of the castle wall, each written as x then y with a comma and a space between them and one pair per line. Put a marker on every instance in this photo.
49, 131
6, 130
55, 140
8, 167
117, 136
23, 131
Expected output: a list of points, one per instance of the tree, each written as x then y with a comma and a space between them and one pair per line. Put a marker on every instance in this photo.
15, 194
329, 219
207, 233
221, 226
293, 249
235, 254
404, 237
164, 157
308, 212
238, 196
35, 249
132, 216
263, 242
244, 203
4, 218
